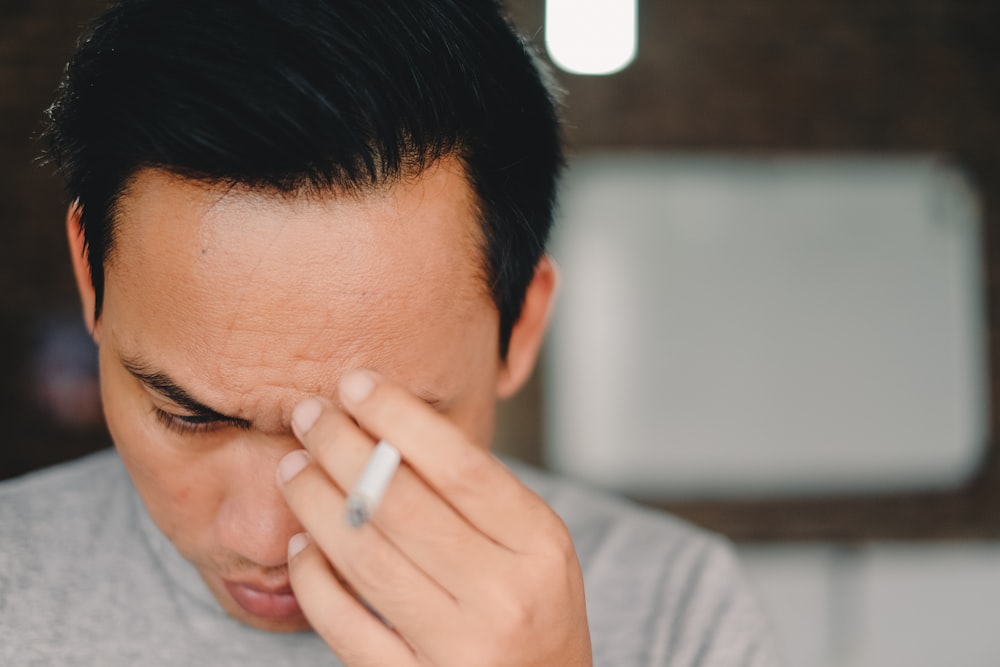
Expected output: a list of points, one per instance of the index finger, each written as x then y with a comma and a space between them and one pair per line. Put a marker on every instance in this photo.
469, 478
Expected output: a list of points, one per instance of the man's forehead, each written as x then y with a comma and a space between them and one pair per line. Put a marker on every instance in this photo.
248, 302
429, 222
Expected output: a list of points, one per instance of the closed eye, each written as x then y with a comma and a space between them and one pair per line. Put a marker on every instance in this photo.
192, 424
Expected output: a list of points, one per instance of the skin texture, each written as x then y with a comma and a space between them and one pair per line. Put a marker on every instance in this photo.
253, 302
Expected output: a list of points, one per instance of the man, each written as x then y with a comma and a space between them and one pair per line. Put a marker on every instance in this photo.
299, 228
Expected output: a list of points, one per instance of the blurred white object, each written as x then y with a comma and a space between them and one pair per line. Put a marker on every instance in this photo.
595, 37
928, 605
732, 326
804, 598
878, 605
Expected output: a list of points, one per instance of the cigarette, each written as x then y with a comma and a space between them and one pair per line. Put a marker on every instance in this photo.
367, 493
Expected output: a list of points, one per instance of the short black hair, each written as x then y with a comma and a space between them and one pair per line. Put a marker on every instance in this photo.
341, 95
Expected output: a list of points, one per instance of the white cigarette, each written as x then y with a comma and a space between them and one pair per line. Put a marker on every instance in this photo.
371, 485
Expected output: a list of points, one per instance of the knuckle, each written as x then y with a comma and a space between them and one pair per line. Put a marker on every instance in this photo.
468, 473
512, 609
340, 441
555, 561
553, 547
372, 570
404, 504
517, 616
561, 549
329, 431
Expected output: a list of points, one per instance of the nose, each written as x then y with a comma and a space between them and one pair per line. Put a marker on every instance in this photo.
254, 520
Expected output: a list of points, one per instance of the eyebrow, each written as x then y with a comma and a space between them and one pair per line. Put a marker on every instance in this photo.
167, 387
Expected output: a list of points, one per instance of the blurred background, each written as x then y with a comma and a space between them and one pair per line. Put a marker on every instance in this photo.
779, 255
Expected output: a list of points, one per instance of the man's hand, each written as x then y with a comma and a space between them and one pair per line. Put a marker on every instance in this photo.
464, 565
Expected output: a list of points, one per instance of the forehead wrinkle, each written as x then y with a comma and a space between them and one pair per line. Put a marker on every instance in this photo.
391, 285
293, 368
304, 356
264, 400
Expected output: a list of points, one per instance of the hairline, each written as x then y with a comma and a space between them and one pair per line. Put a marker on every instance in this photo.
310, 192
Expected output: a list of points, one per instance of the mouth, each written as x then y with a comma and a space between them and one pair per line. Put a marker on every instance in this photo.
265, 602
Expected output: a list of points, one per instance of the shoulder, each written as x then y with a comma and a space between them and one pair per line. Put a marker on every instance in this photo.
57, 506
599, 520
59, 489
103, 461
660, 591
61, 543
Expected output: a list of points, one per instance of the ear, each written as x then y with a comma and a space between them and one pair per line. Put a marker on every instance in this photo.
81, 266
529, 330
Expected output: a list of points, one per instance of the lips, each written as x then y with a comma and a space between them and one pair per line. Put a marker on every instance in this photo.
263, 602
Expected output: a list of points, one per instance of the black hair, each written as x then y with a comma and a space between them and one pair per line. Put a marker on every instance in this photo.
285, 95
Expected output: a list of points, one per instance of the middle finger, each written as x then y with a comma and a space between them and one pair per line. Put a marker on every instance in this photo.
411, 515
380, 573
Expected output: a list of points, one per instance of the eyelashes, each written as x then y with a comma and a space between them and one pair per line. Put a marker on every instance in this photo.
194, 424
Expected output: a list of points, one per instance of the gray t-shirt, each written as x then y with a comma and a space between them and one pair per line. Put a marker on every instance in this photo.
87, 579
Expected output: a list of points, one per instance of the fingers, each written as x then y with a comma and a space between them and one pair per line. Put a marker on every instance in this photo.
380, 573
463, 561
358, 637
420, 523
469, 478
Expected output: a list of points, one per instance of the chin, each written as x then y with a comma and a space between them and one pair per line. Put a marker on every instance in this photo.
299, 624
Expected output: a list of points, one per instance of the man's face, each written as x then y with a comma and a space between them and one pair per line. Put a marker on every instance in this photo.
223, 308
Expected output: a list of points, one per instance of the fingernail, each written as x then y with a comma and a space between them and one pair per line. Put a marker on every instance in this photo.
356, 386
305, 414
292, 464
297, 543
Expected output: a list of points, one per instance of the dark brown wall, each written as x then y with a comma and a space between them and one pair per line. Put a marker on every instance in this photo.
799, 75
36, 37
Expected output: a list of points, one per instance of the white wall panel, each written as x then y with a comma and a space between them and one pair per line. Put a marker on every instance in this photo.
747, 325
